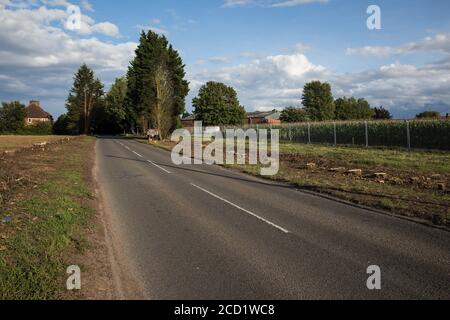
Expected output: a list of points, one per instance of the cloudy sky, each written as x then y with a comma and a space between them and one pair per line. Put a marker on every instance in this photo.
266, 49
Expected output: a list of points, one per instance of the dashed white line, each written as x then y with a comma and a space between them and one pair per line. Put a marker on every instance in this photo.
151, 162
242, 209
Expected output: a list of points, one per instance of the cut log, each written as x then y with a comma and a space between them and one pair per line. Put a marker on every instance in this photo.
356, 172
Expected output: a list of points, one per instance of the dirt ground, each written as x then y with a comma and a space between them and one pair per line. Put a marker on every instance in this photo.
11, 143
404, 191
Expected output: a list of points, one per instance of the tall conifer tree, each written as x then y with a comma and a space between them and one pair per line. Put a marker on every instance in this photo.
153, 51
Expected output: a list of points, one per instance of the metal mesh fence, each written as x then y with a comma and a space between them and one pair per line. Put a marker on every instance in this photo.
418, 134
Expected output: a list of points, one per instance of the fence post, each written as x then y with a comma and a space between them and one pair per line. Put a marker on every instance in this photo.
270, 133
309, 133
367, 134
408, 134
335, 135
290, 132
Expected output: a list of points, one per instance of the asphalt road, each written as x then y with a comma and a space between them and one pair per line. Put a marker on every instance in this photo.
203, 232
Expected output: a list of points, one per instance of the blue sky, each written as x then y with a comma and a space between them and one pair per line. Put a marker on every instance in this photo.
266, 49
329, 28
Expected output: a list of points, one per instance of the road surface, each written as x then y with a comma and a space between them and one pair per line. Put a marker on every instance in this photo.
203, 232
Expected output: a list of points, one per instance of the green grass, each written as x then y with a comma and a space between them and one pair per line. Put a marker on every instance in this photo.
425, 161
40, 236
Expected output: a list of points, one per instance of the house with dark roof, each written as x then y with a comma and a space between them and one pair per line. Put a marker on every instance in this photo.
264, 117
188, 122
35, 114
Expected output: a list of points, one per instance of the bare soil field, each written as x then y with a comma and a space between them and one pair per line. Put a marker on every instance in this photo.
11, 143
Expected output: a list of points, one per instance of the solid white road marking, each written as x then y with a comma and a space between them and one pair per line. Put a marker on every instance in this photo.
242, 209
151, 162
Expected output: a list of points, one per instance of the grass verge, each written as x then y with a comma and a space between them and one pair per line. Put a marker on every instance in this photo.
44, 198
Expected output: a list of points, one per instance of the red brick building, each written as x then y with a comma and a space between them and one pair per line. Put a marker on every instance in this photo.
188, 122
261, 117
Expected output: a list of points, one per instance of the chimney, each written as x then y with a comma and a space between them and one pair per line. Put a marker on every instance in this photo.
35, 102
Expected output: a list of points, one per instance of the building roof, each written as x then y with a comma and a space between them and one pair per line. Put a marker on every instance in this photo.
274, 114
35, 111
189, 118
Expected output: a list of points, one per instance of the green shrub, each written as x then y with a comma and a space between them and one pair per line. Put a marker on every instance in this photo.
38, 129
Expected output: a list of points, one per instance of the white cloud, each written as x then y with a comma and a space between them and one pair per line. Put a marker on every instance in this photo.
439, 42
278, 80
402, 87
219, 59
54, 11
265, 83
268, 3
159, 30
292, 3
106, 28
38, 57
87, 6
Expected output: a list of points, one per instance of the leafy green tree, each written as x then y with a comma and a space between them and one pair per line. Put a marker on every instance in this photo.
161, 110
86, 95
153, 51
382, 114
61, 126
345, 108
352, 109
293, 115
429, 115
363, 110
318, 101
217, 104
115, 109
12, 117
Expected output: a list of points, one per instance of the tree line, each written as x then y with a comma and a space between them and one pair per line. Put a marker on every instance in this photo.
151, 95
319, 105
12, 121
